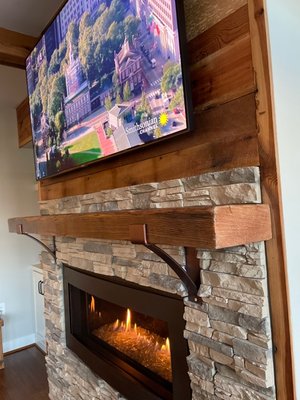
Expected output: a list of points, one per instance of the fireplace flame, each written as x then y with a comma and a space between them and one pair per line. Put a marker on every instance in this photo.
116, 325
166, 346
93, 304
140, 344
128, 320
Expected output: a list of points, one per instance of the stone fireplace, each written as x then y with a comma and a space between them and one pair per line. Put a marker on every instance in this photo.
228, 333
129, 335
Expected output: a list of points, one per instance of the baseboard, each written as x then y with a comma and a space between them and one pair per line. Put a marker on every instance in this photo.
8, 353
15, 344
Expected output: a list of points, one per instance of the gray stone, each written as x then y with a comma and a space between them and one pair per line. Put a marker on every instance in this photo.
198, 349
205, 341
221, 358
237, 175
199, 368
238, 390
141, 201
260, 340
248, 271
110, 206
203, 384
235, 194
170, 184
248, 285
264, 372
230, 374
230, 329
66, 239
171, 284
196, 316
222, 314
199, 393
248, 309
125, 262
144, 188
223, 338
254, 324
96, 247
251, 351
240, 296
198, 306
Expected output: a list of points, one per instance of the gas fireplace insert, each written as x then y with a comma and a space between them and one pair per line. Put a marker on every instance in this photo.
129, 335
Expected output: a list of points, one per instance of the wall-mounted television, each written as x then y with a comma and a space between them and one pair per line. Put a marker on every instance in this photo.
107, 76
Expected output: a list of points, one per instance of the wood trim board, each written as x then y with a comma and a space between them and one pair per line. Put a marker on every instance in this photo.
271, 194
211, 227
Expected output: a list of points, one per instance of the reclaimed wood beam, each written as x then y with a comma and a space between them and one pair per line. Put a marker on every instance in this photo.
211, 227
15, 48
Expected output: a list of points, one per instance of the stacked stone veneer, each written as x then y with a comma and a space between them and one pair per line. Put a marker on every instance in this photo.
229, 334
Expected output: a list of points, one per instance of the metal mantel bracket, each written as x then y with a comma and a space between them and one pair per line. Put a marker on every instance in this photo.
51, 252
187, 274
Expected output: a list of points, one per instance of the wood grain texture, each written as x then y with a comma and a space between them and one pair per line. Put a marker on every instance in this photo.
220, 35
15, 48
24, 124
1, 345
271, 194
204, 227
224, 75
24, 376
202, 15
239, 225
224, 137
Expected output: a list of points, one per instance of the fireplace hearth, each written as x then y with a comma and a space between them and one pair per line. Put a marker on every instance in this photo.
131, 336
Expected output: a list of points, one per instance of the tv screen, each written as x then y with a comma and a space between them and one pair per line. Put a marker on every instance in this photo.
106, 76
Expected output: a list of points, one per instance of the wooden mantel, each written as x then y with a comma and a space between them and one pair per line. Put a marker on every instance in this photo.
203, 227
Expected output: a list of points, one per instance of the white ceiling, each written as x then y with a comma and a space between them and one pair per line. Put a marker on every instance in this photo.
29, 17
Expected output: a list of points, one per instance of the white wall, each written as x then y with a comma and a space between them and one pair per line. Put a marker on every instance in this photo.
284, 27
17, 253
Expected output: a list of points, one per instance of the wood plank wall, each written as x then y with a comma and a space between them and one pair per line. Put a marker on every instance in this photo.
231, 94
223, 93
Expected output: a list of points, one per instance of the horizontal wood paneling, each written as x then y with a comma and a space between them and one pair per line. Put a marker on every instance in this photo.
202, 15
224, 136
220, 35
232, 126
15, 47
24, 124
219, 155
205, 227
224, 75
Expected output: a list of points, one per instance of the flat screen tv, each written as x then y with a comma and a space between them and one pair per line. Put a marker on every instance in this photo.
107, 76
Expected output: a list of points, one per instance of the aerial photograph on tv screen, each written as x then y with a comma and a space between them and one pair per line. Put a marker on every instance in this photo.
105, 77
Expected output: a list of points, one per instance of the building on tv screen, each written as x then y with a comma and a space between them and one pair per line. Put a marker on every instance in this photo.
105, 77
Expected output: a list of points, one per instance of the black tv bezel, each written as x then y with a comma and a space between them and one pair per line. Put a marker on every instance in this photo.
186, 89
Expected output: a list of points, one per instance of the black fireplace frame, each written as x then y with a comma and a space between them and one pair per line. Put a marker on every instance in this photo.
155, 303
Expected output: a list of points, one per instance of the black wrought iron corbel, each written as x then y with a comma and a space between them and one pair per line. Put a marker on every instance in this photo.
51, 252
189, 274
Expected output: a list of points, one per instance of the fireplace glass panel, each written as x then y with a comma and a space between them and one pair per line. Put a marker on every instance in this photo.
130, 336
140, 338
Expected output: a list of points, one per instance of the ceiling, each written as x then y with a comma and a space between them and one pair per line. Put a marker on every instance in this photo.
29, 17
